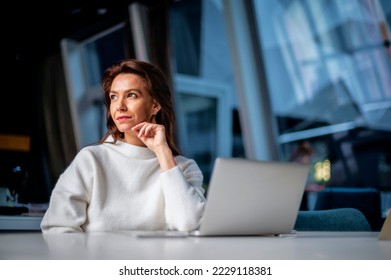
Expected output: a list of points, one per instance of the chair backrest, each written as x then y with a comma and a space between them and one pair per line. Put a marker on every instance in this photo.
367, 200
340, 219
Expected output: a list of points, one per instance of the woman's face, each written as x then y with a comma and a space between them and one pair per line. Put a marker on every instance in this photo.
130, 103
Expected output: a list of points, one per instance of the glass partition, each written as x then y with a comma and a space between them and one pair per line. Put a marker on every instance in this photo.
328, 69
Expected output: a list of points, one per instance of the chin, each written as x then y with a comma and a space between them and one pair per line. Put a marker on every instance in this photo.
124, 128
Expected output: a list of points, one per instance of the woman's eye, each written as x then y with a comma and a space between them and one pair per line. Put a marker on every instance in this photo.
132, 95
113, 97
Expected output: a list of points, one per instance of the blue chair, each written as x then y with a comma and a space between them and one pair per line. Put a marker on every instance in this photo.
367, 200
340, 219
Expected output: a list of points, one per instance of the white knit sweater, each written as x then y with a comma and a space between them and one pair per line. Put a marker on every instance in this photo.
116, 187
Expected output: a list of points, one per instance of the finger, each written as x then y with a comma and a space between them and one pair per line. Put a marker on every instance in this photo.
149, 130
141, 131
140, 124
137, 128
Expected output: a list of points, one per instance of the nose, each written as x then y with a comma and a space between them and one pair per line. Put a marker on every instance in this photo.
121, 106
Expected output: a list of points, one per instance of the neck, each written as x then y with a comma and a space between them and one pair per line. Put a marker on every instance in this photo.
132, 139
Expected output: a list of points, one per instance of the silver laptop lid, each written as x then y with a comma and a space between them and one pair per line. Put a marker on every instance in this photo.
248, 197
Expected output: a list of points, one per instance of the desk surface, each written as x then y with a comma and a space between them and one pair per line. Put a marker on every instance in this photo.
129, 245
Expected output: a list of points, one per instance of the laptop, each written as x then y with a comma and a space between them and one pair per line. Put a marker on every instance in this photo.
249, 197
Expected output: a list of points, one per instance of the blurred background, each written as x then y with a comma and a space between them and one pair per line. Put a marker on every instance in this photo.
286, 80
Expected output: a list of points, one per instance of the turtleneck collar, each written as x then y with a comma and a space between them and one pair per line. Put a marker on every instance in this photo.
130, 149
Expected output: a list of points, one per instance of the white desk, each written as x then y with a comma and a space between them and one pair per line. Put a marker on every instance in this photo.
127, 245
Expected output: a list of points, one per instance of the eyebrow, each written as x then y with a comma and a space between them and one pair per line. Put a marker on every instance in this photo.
128, 90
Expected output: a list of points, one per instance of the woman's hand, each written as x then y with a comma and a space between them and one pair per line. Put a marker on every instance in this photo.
154, 137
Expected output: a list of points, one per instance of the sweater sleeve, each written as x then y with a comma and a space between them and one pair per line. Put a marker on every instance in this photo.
184, 195
69, 199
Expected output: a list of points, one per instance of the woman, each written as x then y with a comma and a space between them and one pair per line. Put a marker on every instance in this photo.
135, 178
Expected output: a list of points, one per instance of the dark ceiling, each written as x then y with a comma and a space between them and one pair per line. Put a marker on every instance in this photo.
32, 32
36, 27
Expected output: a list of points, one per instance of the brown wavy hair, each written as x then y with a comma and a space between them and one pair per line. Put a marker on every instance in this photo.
155, 83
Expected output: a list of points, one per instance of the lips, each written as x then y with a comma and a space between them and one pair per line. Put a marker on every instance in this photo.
122, 118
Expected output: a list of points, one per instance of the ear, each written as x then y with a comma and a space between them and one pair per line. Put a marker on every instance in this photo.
156, 107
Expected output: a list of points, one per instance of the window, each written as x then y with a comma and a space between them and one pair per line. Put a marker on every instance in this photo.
300, 73
84, 63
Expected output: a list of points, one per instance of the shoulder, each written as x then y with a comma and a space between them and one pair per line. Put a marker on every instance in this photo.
91, 150
187, 164
89, 154
182, 160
